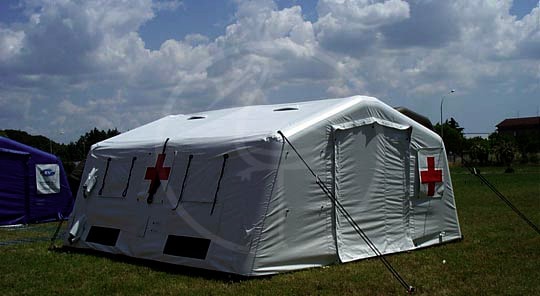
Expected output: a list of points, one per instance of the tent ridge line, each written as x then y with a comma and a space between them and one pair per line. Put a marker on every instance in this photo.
310, 122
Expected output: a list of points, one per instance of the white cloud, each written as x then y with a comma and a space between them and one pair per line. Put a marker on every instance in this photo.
169, 5
353, 26
362, 13
88, 59
10, 44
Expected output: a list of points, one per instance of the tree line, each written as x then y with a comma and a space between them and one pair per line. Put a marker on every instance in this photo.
70, 153
496, 149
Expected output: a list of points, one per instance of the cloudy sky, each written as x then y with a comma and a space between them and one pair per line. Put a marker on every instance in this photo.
73, 65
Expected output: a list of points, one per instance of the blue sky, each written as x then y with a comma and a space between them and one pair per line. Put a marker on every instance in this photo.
68, 66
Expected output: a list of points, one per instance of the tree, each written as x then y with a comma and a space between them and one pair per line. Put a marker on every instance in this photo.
85, 142
479, 149
504, 147
453, 137
39, 142
527, 144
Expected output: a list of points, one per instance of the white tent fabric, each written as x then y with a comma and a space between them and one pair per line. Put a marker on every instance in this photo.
222, 190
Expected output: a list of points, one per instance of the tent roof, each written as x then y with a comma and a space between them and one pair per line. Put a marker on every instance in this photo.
12, 146
250, 122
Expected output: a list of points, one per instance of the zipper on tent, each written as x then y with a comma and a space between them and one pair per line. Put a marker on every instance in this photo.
190, 158
124, 193
219, 182
104, 176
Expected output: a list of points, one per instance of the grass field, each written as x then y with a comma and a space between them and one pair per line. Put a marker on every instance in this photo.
499, 255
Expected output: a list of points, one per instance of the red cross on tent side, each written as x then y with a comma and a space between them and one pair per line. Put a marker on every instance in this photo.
430, 172
159, 172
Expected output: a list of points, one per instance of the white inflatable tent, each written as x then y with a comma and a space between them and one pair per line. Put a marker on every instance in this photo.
225, 190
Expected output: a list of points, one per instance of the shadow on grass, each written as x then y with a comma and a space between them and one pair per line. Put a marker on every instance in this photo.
195, 272
170, 268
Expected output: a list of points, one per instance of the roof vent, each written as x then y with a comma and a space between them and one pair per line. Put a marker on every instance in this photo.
196, 117
286, 109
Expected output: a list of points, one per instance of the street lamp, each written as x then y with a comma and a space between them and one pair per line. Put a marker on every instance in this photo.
442, 101
61, 132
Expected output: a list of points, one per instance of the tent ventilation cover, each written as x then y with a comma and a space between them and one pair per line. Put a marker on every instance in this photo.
197, 117
286, 109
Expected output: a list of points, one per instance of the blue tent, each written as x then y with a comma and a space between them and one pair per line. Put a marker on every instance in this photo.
33, 185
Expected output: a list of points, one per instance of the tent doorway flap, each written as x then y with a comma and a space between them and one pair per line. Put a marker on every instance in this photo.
371, 181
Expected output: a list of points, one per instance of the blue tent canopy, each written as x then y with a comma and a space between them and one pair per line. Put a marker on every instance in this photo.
33, 185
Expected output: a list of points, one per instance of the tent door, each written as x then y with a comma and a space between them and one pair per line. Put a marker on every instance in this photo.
371, 182
14, 188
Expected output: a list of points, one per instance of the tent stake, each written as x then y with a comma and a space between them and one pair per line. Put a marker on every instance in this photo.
55, 235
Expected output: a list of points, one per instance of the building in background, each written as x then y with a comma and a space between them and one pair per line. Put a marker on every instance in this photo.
524, 126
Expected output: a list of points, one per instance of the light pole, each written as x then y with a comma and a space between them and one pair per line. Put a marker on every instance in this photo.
442, 101
61, 132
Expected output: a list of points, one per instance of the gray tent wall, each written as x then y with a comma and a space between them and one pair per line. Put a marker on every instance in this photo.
269, 215
144, 228
302, 220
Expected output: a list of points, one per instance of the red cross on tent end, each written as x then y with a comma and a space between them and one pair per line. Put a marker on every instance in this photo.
431, 176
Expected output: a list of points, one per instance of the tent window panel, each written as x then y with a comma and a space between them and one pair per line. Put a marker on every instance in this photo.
203, 177
119, 176
185, 246
103, 235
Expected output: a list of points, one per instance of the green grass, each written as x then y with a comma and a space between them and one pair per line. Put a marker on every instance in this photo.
499, 255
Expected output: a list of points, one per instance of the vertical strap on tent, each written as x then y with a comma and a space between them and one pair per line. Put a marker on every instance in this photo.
324, 188
219, 182
104, 176
156, 181
124, 193
184, 182
165, 146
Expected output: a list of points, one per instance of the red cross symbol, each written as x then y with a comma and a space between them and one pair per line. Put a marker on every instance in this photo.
155, 174
431, 176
